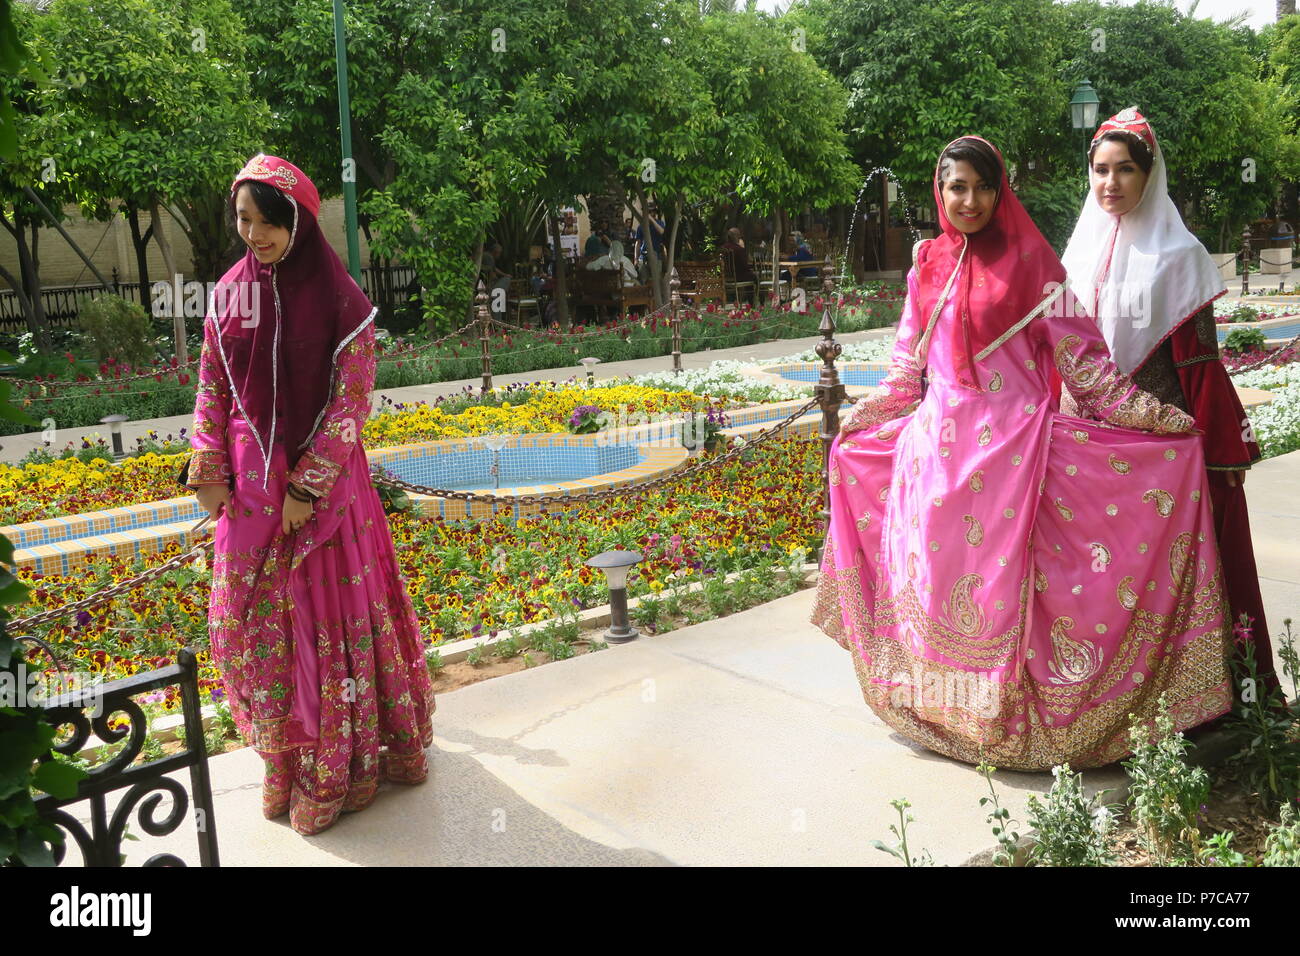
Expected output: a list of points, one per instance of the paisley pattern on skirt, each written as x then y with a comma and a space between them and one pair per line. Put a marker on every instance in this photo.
1069, 578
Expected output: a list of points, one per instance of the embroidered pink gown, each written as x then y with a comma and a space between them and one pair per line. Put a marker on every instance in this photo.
1011, 578
314, 633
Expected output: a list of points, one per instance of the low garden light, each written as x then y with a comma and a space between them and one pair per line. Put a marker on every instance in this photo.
589, 362
616, 565
114, 422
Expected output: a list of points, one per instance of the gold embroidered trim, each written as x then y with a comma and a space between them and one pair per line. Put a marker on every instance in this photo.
1038, 310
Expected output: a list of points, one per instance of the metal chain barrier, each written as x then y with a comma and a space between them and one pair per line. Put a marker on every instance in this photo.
402, 354
101, 382
636, 490
130, 584
1268, 359
121, 587
589, 333
176, 370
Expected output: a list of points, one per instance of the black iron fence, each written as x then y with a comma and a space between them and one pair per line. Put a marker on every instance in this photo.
387, 288
142, 787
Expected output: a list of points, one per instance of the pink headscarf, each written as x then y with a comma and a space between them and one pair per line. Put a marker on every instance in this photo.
1011, 273
304, 309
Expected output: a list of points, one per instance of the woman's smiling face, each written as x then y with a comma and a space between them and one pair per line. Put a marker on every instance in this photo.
268, 242
967, 199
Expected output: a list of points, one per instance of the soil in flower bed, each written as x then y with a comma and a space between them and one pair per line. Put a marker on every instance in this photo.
1230, 808
460, 674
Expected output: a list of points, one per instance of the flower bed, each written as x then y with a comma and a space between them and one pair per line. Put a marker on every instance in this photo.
1276, 424
473, 578
1227, 311
73, 486
171, 392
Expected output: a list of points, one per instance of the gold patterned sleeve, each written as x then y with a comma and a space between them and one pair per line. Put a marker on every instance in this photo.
340, 429
901, 389
209, 463
1100, 390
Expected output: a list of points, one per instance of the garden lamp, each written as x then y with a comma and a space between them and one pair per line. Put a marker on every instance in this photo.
1083, 106
114, 422
589, 361
616, 565
1083, 111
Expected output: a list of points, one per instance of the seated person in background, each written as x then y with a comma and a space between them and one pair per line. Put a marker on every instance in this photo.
495, 278
598, 241
614, 259
802, 253
738, 256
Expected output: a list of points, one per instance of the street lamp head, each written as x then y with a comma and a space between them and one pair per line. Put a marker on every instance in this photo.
1083, 106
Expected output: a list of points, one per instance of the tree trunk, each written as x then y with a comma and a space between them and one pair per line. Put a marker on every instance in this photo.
180, 346
561, 287
30, 287
204, 225
141, 245
671, 259
656, 270
23, 301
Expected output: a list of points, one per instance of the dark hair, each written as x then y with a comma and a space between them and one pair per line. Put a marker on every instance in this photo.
1137, 148
979, 154
276, 208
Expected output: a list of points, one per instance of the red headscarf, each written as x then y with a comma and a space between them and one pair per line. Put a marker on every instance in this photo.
1010, 271
305, 309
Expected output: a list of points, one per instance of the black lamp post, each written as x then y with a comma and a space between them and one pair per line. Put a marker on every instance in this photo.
1083, 111
616, 565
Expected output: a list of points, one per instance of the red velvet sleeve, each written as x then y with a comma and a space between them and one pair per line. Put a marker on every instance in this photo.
1211, 398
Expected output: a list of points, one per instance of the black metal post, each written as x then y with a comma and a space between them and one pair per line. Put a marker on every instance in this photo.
1245, 261
829, 391
676, 298
484, 327
200, 780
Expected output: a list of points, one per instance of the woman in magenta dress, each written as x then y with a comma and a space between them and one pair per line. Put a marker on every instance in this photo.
1151, 286
311, 626
1012, 582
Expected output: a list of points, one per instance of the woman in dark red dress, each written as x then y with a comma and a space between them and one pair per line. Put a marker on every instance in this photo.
1151, 286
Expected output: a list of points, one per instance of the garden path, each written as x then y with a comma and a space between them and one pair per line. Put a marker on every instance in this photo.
743, 740
13, 448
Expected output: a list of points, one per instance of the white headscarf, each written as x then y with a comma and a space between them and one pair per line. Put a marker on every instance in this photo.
1152, 272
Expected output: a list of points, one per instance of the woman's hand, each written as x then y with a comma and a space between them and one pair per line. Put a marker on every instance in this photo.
214, 498
294, 513
1236, 478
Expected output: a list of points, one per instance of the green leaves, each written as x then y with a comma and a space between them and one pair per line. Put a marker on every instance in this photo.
58, 779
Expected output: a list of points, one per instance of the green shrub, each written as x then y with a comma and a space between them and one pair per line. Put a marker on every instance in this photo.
112, 327
1282, 845
1166, 794
1073, 830
1243, 340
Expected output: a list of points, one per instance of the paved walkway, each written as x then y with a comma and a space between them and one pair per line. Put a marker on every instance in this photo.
14, 448
738, 741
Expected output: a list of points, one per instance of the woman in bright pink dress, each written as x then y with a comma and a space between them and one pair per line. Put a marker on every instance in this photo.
315, 636
1014, 583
